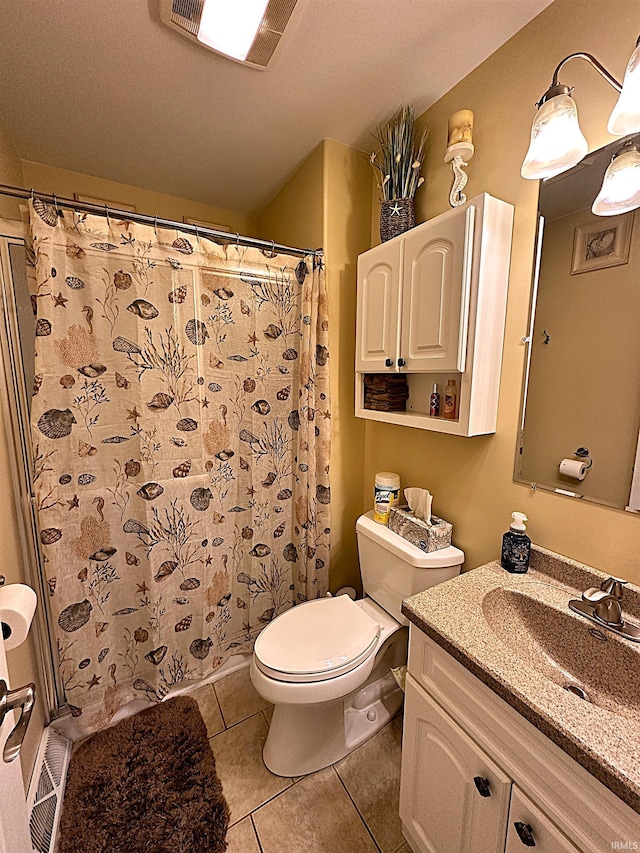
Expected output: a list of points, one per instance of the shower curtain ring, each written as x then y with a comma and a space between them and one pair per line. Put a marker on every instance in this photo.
55, 204
237, 240
106, 213
155, 224
197, 234
33, 194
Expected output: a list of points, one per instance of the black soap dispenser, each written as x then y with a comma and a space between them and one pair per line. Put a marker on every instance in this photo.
516, 546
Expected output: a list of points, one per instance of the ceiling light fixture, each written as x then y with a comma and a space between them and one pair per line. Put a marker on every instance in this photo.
246, 31
557, 143
230, 26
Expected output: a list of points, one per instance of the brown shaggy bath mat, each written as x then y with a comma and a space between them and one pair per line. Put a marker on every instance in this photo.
147, 784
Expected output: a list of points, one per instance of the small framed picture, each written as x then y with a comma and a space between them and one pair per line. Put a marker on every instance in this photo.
215, 226
110, 204
603, 242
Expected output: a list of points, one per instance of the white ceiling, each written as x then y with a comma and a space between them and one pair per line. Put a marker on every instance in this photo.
102, 87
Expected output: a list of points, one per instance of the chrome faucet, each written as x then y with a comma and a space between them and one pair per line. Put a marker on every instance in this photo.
602, 606
606, 601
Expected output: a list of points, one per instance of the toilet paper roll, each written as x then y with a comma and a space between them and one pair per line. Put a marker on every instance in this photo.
575, 468
17, 606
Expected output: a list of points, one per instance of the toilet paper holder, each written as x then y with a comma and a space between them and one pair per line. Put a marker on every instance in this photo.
583, 453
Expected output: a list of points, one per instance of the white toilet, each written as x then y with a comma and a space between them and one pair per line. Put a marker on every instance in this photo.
326, 664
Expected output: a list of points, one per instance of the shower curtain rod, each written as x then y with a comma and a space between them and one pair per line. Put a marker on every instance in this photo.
156, 221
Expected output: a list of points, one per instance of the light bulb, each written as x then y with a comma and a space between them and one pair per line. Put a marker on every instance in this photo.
620, 190
625, 117
557, 142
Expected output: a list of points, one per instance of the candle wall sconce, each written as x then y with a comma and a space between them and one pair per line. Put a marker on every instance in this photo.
459, 151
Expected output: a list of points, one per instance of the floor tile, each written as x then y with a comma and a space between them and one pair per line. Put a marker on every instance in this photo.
404, 849
241, 838
314, 816
371, 775
268, 714
399, 720
238, 697
246, 782
208, 705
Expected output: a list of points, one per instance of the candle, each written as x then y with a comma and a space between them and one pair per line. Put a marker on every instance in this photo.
461, 127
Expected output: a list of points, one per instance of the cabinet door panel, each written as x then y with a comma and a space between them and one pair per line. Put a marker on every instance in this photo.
378, 307
439, 801
435, 294
534, 826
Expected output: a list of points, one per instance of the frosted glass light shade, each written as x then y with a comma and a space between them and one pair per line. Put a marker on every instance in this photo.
230, 26
620, 190
625, 117
557, 142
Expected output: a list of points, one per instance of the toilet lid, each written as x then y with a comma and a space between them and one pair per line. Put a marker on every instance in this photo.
317, 640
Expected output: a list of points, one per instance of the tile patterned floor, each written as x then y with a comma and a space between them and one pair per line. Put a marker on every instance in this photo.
351, 807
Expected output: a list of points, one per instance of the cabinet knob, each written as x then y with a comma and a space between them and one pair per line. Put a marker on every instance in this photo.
388, 362
482, 785
525, 834
401, 362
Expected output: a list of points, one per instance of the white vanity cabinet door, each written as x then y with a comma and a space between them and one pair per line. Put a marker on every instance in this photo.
440, 806
436, 289
378, 308
534, 827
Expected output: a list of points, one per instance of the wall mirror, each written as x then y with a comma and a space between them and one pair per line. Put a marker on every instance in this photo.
582, 382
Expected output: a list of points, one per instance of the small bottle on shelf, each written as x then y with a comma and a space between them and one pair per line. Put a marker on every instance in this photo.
434, 402
450, 400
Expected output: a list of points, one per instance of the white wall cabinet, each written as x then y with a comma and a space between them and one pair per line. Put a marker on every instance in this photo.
431, 304
461, 741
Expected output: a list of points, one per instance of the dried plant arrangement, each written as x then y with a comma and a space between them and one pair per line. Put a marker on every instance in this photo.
397, 165
398, 162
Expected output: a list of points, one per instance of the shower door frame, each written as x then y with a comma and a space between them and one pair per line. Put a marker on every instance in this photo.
15, 408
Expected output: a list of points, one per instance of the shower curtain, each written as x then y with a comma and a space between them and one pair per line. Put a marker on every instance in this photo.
181, 437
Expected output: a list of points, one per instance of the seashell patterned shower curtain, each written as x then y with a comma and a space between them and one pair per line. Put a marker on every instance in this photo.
181, 437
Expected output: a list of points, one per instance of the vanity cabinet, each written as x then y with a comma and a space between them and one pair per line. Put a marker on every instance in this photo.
431, 304
479, 778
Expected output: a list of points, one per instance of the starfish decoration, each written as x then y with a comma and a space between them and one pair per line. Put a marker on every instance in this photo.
74, 503
135, 430
59, 300
251, 491
326, 414
396, 210
204, 403
252, 339
133, 415
208, 561
95, 681
143, 589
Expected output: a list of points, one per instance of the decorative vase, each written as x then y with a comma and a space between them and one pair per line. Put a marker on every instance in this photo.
397, 215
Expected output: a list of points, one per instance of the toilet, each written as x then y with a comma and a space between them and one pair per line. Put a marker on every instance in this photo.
326, 664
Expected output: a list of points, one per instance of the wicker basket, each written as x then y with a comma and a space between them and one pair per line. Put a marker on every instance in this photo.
396, 216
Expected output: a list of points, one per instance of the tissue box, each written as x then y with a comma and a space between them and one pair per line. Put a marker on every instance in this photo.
415, 530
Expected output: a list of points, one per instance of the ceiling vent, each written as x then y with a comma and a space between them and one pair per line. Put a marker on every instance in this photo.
185, 16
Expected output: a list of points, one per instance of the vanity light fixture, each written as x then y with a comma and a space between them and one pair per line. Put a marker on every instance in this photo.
557, 143
620, 191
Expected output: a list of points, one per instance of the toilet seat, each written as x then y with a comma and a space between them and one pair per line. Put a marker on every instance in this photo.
317, 641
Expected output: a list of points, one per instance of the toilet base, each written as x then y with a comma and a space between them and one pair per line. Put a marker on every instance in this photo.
305, 738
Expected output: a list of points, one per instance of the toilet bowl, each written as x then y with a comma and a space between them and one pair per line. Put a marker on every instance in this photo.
326, 664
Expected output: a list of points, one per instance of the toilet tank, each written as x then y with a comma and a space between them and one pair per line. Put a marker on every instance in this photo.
393, 569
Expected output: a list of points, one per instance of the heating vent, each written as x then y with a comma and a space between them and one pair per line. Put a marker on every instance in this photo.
46, 790
184, 16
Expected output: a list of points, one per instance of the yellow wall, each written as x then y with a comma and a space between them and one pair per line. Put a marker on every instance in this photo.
62, 182
583, 389
327, 202
472, 478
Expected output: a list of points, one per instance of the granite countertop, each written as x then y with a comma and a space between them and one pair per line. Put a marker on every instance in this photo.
517, 635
